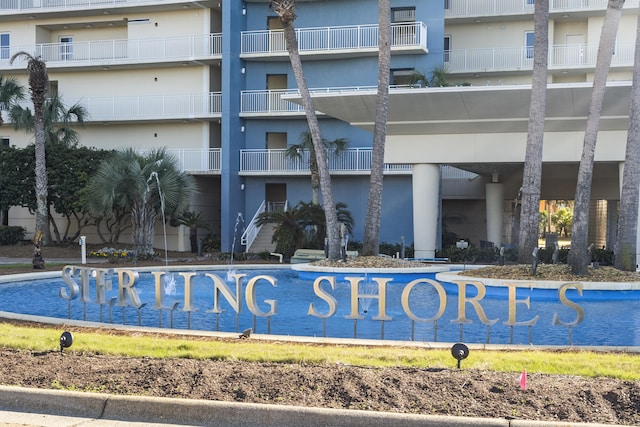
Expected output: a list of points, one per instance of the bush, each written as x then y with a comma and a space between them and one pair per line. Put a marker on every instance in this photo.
11, 235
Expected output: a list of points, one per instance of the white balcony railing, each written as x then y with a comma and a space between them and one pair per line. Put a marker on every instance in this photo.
197, 161
479, 8
351, 161
521, 58
151, 107
333, 39
268, 102
9, 6
114, 52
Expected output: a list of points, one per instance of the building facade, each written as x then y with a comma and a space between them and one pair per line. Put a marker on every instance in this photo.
212, 82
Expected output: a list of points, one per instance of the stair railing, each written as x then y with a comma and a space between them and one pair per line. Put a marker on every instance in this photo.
252, 230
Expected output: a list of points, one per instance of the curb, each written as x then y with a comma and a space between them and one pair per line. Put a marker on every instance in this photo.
228, 414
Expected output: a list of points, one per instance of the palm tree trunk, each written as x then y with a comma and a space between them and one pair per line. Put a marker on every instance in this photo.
625, 249
41, 181
532, 175
578, 257
314, 128
371, 242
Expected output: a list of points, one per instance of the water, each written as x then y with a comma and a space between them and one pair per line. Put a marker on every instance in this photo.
231, 271
611, 322
169, 279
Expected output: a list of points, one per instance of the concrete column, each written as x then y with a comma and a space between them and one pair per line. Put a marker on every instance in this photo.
494, 193
426, 202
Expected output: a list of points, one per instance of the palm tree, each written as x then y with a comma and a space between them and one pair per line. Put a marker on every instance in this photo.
288, 233
314, 218
532, 175
10, 92
290, 225
39, 86
439, 78
195, 221
59, 121
306, 145
371, 241
148, 185
285, 9
579, 257
625, 249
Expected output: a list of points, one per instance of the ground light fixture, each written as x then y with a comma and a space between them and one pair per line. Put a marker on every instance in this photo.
66, 339
459, 352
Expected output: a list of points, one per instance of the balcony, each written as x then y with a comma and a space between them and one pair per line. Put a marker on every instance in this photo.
354, 161
469, 9
561, 57
120, 53
207, 106
259, 103
328, 42
19, 9
197, 161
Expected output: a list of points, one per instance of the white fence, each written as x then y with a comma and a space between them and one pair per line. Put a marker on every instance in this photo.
113, 52
331, 39
521, 58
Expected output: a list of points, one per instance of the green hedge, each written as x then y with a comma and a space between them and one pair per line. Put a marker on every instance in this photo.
11, 235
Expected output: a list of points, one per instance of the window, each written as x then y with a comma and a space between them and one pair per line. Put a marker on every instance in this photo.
4, 45
528, 44
531, 2
447, 4
402, 77
4, 141
447, 47
53, 88
403, 33
403, 14
66, 48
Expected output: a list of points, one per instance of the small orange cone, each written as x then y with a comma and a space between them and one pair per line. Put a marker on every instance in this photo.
522, 380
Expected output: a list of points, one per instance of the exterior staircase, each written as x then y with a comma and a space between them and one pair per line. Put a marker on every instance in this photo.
262, 242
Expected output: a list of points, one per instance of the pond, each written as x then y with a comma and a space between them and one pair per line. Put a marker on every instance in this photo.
414, 307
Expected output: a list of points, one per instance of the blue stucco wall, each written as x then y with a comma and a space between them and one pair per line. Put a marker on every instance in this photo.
397, 216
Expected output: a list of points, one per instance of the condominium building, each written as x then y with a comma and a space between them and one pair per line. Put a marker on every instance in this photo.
212, 82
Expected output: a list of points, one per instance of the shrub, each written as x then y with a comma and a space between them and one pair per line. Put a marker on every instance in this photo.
11, 235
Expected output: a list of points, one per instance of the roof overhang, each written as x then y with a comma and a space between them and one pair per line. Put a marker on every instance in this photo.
474, 109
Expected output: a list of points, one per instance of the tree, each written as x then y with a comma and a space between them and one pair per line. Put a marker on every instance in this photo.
439, 78
146, 185
578, 258
10, 92
70, 169
532, 175
306, 145
371, 241
288, 233
195, 221
290, 225
39, 86
59, 122
625, 248
314, 219
285, 9
562, 219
